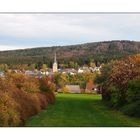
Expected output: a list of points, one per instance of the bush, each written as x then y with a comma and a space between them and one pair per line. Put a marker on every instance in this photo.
25, 83
20, 98
120, 84
50, 97
46, 85
117, 98
43, 100
133, 92
29, 104
65, 90
31, 86
133, 98
17, 79
132, 109
6, 85
9, 116
114, 96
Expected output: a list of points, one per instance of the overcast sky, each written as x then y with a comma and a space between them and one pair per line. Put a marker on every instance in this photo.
18, 31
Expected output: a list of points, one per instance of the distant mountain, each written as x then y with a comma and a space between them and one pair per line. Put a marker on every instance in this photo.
99, 51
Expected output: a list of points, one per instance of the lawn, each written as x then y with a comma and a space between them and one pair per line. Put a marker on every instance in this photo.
80, 110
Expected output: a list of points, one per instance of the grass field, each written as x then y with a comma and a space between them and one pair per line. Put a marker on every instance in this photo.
80, 110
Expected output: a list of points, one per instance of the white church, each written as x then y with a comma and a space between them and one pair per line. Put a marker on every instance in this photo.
55, 65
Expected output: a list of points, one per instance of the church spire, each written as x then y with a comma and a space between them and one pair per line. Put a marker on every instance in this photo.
55, 58
55, 66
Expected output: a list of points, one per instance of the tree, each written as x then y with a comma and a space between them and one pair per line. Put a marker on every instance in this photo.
125, 70
39, 65
115, 79
3, 67
44, 67
102, 80
133, 91
31, 67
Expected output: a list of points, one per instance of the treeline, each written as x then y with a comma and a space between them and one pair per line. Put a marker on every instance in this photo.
22, 96
100, 52
40, 65
23, 67
119, 84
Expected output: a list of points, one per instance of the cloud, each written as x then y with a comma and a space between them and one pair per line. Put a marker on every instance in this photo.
53, 29
8, 47
14, 47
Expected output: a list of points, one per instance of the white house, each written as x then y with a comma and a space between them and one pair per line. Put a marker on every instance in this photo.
73, 88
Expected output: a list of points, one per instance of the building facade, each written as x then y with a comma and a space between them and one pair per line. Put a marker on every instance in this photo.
55, 65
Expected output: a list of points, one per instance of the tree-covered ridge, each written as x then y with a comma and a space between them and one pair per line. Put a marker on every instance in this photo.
82, 53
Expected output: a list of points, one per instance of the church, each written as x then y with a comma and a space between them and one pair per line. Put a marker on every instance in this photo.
55, 65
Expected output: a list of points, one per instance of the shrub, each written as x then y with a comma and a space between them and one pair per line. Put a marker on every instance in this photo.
46, 85
20, 98
114, 97
31, 86
25, 83
132, 109
65, 90
29, 104
117, 98
133, 92
9, 116
43, 100
17, 79
50, 97
120, 84
133, 98
6, 85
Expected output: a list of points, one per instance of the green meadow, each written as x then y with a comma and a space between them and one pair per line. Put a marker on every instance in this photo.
80, 110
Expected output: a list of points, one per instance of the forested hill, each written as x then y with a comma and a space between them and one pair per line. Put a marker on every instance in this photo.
99, 51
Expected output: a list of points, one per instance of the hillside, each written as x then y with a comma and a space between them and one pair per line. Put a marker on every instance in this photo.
99, 51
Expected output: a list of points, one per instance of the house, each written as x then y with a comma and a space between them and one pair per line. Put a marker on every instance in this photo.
1, 74
80, 70
30, 73
84, 69
70, 71
73, 88
97, 69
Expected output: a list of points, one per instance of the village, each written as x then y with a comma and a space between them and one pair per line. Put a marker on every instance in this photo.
50, 72
69, 70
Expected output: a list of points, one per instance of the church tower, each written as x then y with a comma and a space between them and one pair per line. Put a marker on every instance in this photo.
55, 66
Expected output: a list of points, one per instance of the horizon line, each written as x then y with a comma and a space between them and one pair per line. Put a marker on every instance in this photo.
50, 46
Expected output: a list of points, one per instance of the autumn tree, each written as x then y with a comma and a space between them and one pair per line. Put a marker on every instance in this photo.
3, 67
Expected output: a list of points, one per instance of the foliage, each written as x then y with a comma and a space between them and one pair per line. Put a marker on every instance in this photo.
21, 97
25, 83
133, 91
114, 96
3, 67
46, 85
9, 116
77, 79
65, 90
72, 55
121, 84
103, 77
124, 71
132, 109
133, 97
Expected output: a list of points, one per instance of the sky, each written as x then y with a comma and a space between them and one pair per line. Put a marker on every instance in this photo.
19, 31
